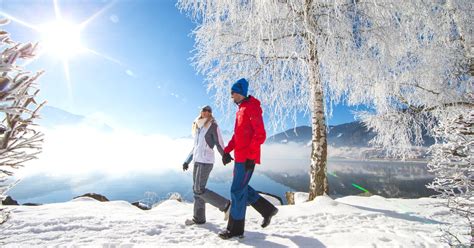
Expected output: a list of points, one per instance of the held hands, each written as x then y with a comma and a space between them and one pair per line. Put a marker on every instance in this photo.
249, 164
185, 166
226, 158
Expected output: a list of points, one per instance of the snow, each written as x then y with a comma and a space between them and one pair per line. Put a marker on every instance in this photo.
300, 197
344, 222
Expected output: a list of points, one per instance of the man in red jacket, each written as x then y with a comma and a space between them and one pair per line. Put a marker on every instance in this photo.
249, 135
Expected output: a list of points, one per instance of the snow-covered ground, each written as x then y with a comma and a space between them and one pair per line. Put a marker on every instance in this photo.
345, 222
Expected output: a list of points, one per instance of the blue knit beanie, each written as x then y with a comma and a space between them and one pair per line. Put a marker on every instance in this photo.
241, 87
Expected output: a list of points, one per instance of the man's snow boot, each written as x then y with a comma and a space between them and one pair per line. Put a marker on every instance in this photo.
266, 209
235, 228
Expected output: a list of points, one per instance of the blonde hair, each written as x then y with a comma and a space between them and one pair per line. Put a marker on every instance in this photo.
208, 123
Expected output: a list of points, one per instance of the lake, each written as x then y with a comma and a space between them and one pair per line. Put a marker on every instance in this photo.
346, 177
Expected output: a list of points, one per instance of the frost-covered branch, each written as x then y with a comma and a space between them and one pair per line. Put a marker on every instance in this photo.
19, 140
274, 57
452, 164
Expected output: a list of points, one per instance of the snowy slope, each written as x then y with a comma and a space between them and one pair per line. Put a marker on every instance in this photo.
345, 222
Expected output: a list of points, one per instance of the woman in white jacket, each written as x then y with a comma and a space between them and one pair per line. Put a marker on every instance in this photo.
206, 135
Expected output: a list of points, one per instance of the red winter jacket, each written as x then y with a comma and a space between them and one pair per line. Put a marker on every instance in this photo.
249, 132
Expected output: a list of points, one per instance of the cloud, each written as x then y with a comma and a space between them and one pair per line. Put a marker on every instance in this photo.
175, 95
86, 148
89, 148
114, 18
130, 73
82, 149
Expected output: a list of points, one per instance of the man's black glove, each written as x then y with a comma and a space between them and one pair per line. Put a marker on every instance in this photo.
226, 158
185, 166
249, 164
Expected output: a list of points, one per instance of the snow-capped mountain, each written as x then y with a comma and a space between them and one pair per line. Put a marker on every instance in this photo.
353, 134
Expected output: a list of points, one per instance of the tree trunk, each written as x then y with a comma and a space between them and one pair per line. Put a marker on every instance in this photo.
318, 184
318, 181
290, 198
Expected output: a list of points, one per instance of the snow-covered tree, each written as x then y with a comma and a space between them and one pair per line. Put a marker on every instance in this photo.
19, 141
301, 55
429, 77
432, 89
453, 166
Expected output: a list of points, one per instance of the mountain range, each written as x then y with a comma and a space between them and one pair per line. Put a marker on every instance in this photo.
353, 134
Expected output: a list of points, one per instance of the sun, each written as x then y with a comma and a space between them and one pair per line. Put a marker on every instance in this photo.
61, 39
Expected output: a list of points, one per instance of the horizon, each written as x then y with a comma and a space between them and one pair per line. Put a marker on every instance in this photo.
52, 122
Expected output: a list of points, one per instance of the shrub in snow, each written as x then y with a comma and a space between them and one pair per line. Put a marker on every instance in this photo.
175, 196
19, 141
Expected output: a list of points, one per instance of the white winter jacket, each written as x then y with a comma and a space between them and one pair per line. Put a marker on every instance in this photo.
204, 141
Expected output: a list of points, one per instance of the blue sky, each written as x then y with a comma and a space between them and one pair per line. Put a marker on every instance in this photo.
142, 80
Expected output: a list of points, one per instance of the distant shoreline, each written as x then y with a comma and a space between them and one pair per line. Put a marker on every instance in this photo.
420, 161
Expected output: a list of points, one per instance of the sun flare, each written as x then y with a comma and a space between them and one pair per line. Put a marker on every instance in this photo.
61, 38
